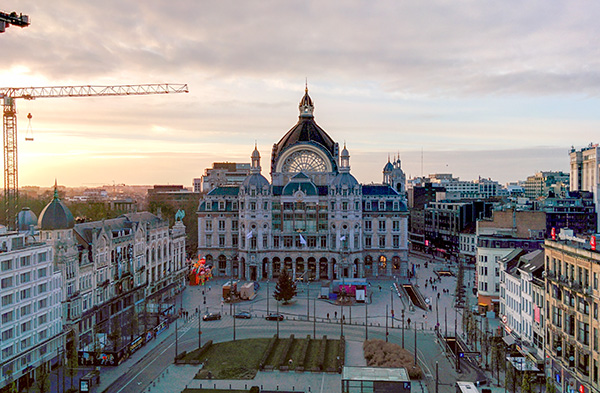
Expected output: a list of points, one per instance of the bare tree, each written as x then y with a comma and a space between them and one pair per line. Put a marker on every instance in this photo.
72, 357
42, 378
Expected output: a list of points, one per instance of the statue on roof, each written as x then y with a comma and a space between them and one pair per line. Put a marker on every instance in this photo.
179, 215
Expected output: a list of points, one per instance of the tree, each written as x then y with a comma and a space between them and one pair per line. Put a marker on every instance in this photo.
485, 341
527, 383
115, 333
285, 289
72, 356
512, 376
550, 386
42, 378
498, 354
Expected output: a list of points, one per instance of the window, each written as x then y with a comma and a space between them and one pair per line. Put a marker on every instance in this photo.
42, 319
25, 310
42, 257
7, 300
8, 317
368, 226
234, 240
42, 272
222, 241
26, 326
395, 225
344, 206
252, 206
7, 352
43, 334
208, 225
381, 241
42, 288
381, 225
6, 265
275, 241
208, 240
25, 277
221, 225
367, 241
25, 293
7, 282
42, 303
7, 334
368, 206
396, 241
25, 261
234, 226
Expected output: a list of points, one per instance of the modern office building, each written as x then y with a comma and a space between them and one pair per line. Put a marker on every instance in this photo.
221, 174
585, 173
546, 183
313, 219
31, 327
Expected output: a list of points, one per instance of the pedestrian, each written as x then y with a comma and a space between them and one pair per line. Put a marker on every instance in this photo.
438, 295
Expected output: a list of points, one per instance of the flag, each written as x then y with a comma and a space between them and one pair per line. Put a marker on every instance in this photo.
302, 240
249, 235
343, 238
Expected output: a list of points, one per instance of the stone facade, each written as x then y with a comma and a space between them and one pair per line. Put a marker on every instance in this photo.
314, 219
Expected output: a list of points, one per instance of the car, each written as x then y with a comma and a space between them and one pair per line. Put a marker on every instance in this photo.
274, 317
211, 316
243, 315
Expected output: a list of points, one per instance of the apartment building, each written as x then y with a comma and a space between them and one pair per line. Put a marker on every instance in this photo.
572, 298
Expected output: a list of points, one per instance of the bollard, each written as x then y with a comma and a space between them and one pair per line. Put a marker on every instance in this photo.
229, 386
277, 387
309, 388
293, 388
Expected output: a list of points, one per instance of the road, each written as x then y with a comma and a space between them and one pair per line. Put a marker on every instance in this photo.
142, 374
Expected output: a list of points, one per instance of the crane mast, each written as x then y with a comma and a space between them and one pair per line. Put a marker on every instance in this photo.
9, 123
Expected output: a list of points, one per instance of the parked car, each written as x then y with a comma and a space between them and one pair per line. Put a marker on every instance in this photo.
243, 315
274, 317
212, 316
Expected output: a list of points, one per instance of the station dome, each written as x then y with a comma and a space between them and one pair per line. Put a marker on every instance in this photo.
56, 215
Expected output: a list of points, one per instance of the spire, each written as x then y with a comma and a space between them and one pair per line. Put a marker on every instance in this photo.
255, 157
306, 105
345, 160
55, 189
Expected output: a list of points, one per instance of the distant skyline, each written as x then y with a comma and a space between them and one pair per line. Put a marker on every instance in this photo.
497, 90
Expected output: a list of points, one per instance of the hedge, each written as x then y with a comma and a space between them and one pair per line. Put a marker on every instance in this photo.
321, 358
282, 363
265, 356
303, 352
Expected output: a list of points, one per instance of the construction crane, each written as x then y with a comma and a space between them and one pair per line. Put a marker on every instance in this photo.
10, 94
12, 19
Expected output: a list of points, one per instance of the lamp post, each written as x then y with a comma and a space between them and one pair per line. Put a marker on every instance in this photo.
314, 318
267, 297
277, 319
386, 323
199, 330
307, 299
366, 317
415, 344
234, 318
392, 303
342, 322
402, 322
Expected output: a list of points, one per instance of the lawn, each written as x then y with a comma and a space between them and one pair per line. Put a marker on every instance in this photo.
232, 359
240, 359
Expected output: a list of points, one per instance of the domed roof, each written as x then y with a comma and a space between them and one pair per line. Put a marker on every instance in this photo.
257, 180
26, 218
344, 179
306, 130
56, 215
388, 167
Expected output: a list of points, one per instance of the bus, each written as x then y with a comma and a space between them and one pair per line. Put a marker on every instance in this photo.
466, 387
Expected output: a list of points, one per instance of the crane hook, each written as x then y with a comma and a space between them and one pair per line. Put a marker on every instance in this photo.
29, 133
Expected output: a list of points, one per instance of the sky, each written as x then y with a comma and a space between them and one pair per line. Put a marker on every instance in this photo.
497, 90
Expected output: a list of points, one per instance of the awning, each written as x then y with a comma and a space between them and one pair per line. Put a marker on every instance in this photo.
522, 364
509, 340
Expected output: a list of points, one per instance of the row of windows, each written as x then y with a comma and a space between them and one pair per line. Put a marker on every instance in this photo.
23, 261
